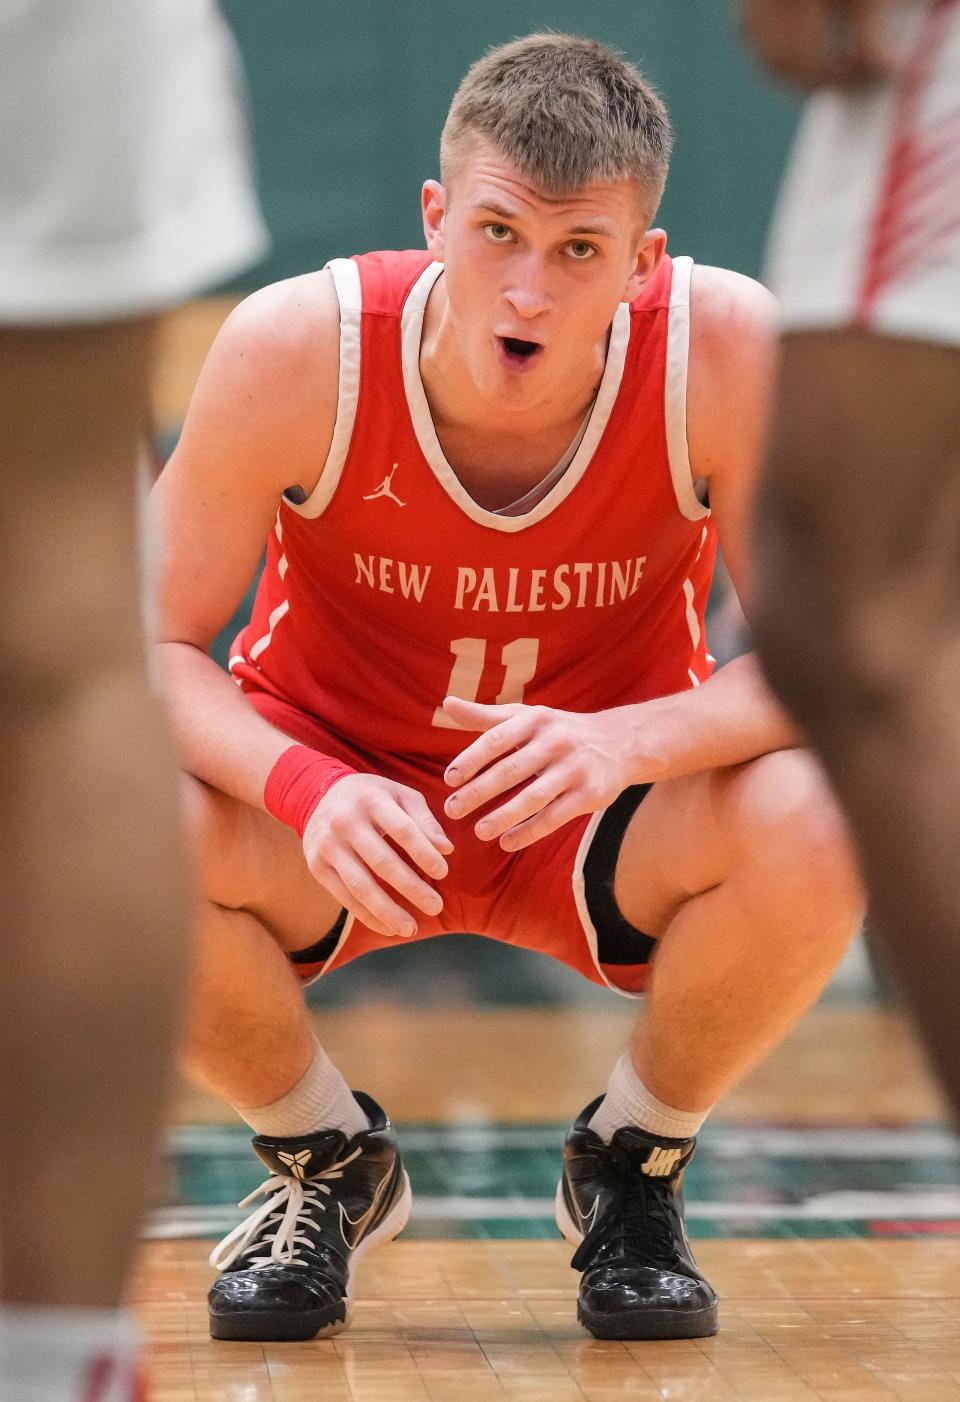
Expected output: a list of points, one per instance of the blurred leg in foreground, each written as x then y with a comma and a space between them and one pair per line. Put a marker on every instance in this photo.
123, 188
858, 524
92, 877
858, 623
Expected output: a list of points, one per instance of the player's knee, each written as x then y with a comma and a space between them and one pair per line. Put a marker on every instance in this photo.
888, 656
786, 819
833, 646
210, 821
852, 592
863, 663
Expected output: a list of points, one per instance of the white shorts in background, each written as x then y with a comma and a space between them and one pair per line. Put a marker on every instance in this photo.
867, 229
125, 182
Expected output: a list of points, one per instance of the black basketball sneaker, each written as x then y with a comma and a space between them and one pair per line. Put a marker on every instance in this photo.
620, 1204
285, 1271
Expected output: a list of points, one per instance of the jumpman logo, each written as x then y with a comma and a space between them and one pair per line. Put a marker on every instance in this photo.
385, 490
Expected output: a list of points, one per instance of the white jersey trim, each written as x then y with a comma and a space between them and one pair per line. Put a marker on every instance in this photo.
536, 494
412, 331
580, 898
261, 645
348, 925
346, 280
345, 933
675, 391
280, 612
690, 610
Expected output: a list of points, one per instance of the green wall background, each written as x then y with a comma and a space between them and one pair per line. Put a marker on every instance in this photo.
348, 101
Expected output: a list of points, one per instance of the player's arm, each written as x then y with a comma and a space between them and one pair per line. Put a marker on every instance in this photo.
261, 419
572, 763
732, 364
247, 436
823, 43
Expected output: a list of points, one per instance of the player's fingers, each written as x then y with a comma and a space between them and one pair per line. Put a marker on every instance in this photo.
329, 879
476, 715
514, 768
528, 802
410, 824
391, 918
391, 870
506, 736
548, 820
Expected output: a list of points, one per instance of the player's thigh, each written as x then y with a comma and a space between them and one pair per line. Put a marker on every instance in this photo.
690, 835
248, 861
73, 404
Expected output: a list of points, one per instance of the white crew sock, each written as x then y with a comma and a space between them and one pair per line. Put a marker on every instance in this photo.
321, 1099
628, 1102
69, 1354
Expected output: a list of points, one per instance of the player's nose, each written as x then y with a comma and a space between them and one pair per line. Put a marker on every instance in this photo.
528, 294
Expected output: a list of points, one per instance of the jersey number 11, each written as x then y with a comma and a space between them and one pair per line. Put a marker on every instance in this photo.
519, 662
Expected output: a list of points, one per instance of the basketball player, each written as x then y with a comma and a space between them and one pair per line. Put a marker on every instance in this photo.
858, 581
123, 188
475, 693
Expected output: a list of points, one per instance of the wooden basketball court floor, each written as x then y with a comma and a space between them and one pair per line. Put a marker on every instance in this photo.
824, 1207
824, 1202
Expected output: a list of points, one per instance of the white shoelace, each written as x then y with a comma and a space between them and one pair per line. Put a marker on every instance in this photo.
289, 1198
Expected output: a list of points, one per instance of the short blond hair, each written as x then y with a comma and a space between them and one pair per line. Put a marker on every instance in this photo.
564, 111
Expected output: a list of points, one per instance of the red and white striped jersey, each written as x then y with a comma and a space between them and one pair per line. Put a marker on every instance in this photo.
390, 587
867, 230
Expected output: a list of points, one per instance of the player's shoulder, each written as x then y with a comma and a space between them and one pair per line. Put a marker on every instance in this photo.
284, 325
726, 306
275, 363
266, 399
733, 331
733, 341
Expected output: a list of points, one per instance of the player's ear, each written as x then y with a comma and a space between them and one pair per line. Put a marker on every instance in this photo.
434, 204
653, 245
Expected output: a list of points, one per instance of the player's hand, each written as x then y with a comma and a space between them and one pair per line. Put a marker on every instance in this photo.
347, 844
569, 763
824, 43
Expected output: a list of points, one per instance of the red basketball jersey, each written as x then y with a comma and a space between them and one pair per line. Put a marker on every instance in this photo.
390, 587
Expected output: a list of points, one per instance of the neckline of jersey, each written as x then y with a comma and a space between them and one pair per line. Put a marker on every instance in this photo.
426, 433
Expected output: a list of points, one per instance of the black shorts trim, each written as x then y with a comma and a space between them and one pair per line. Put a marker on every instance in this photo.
320, 952
618, 942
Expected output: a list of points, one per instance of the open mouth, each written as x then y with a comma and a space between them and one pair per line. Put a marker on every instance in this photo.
518, 352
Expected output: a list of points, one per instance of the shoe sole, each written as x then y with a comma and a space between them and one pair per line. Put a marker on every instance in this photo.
320, 1323
634, 1324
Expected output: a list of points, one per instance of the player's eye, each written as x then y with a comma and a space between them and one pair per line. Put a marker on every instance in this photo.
580, 251
498, 233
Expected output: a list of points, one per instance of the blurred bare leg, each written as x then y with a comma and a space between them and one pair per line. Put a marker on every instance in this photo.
857, 616
93, 884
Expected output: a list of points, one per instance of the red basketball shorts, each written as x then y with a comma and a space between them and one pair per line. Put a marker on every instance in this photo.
539, 898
